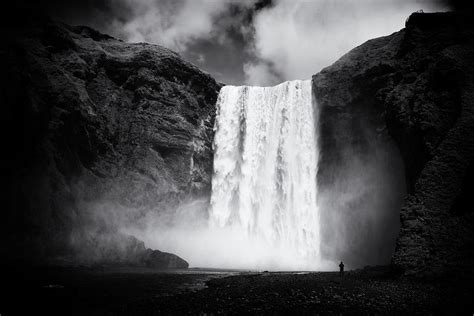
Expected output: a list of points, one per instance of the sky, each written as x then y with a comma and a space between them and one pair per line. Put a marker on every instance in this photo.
252, 42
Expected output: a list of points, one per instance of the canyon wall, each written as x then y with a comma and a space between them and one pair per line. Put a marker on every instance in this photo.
414, 88
97, 133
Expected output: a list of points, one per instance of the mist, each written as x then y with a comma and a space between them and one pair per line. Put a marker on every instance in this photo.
188, 233
361, 205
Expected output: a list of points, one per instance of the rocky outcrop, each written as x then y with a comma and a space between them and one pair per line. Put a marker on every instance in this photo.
98, 133
163, 260
120, 249
414, 87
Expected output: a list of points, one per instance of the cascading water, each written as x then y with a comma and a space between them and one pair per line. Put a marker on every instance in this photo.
264, 186
265, 205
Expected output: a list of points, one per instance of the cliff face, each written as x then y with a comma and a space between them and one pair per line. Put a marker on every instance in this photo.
98, 132
414, 87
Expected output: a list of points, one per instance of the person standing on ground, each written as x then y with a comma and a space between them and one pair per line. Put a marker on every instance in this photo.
341, 269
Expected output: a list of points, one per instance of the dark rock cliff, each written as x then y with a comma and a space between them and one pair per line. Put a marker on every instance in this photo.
414, 87
97, 133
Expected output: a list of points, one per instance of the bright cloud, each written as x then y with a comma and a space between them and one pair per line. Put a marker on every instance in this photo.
300, 37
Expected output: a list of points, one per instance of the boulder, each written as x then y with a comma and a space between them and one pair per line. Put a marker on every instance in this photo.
163, 260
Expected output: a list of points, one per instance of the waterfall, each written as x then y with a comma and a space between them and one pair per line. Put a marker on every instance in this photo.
265, 166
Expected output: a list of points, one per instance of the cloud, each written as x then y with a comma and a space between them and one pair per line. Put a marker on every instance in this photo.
260, 72
174, 23
213, 34
300, 37
258, 42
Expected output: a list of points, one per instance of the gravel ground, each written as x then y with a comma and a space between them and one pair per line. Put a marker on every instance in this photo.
316, 293
125, 291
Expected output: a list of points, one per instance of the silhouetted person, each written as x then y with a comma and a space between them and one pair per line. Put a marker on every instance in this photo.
341, 269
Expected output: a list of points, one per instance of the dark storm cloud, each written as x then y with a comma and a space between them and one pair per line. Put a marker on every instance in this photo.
459, 5
259, 42
227, 48
90, 12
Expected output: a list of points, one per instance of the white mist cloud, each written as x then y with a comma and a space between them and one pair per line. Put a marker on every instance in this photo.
172, 23
300, 37
187, 233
